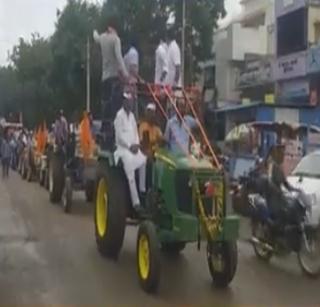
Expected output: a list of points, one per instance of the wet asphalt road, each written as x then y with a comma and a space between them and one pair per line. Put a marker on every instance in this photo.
49, 258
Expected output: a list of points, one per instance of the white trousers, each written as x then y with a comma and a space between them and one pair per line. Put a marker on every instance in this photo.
130, 172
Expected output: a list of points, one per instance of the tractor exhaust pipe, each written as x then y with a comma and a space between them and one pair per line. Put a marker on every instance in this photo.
267, 246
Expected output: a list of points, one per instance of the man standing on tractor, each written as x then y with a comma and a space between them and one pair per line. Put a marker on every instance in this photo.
174, 61
161, 67
128, 149
61, 129
177, 133
114, 73
131, 60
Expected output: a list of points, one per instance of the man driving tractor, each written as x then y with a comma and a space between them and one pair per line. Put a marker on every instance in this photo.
177, 133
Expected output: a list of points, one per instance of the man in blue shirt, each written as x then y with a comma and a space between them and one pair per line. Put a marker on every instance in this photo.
176, 134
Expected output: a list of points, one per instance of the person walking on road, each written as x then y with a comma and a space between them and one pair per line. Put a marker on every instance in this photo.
5, 155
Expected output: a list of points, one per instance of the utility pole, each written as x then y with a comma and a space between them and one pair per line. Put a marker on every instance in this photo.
88, 74
183, 42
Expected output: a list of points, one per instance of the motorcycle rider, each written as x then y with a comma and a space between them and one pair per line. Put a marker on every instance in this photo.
274, 193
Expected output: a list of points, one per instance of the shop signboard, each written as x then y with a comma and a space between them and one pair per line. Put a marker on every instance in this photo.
313, 65
295, 89
291, 66
256, 73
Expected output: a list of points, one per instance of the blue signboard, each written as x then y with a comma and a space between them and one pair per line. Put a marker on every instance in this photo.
313, 65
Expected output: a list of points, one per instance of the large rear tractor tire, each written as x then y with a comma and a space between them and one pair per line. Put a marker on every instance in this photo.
56, 178
42, 178
24, 174
67, 195
89, 191
29, 173
148, 257
111, 203
222, 261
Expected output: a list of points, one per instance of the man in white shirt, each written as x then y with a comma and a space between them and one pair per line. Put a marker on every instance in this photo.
131, 60
174, 61
128, 149
161, 68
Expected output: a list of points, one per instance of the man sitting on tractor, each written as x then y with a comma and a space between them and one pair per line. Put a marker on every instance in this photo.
128, 149
177, 133
150, 133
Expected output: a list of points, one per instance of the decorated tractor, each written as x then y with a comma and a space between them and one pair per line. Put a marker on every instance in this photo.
28, 162
186, 203
72, 167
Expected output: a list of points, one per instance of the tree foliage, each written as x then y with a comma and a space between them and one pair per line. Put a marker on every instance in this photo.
47, 74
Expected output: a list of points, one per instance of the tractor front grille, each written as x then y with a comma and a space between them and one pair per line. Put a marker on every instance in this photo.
183, 191
184, 197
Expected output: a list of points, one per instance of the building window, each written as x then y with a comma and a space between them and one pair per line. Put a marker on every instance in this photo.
292, 32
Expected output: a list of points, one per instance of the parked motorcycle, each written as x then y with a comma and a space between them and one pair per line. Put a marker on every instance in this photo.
290, 232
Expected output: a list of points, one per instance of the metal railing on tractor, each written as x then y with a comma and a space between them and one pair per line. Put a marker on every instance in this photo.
211, 222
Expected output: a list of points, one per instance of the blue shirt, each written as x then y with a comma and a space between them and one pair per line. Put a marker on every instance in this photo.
177, 135
5, 149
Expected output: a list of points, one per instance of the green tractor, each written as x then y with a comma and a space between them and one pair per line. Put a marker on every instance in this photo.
186, 203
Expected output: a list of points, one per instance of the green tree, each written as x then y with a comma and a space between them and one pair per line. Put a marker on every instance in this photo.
32, 63
49, 73
68, 76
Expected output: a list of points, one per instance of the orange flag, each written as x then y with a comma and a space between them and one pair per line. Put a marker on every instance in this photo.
38, 139
45, 136
86, 137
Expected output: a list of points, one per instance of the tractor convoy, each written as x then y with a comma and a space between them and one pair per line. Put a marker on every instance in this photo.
185, 201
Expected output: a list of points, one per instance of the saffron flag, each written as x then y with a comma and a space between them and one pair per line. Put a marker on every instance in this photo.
86, 137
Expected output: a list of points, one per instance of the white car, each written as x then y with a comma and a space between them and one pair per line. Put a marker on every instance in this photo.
306, 177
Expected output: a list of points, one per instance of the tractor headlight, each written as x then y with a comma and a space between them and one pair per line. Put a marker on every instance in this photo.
209, 189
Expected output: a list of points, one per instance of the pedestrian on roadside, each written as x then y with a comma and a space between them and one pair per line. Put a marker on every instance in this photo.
5, 154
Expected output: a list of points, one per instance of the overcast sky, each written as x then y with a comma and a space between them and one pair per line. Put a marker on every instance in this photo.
19, 18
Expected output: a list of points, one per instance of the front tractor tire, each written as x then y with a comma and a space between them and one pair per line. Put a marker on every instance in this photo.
56, 178
67, 195
111, 203
222, 260
148, 257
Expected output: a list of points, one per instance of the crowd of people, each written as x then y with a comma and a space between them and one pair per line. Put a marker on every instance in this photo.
12, 141
136, 142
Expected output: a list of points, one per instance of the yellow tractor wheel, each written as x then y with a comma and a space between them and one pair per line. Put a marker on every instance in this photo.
148, 257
